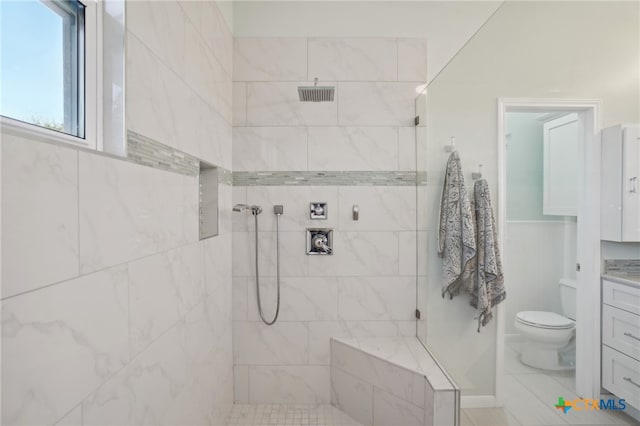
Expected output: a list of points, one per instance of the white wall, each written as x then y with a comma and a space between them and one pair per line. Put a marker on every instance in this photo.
113, 311
367, 288
447, 25
528, 49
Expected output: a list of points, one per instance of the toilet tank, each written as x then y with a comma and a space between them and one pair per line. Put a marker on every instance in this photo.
568, 297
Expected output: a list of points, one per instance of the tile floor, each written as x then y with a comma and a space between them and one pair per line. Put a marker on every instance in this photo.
529, 397
288, 415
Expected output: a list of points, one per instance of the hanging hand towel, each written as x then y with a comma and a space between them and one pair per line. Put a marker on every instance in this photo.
489, 281
456, 237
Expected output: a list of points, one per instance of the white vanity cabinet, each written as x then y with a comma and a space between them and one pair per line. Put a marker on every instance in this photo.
620, 186
621, 340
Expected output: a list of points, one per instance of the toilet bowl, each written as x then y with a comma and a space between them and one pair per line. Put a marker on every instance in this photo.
550, 337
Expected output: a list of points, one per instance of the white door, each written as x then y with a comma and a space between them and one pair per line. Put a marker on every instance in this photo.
560, 175
630, 184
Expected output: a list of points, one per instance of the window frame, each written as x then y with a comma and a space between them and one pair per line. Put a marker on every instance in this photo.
90, 47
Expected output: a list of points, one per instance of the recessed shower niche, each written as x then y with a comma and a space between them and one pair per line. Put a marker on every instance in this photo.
208, 200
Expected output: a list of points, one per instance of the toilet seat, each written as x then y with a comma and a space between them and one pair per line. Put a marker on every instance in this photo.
546, 320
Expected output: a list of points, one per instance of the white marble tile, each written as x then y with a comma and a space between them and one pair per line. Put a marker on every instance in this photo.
382, 208
217, 270
407, 252
407, 159
278, 104
162, 27
269, 148
193, 12
123, 219
393, 350
187, 366
370, 369
281, 344
39, 215
73, 418
142, 392
389, 409
359, 254
55, 352
269, 59
301, 298
320, 333
206, 75
353, 396
289, 384
225, 212
215, 138
156, 99
412, 59
444, 406
152, 304
241, 384
296, 202
419, 386
353, 148
293, 257
240, 298
376, 298
217, 34
240, 220
380, 104
239, 103
354, 59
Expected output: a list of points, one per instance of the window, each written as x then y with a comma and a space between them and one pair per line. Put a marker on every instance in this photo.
48, 68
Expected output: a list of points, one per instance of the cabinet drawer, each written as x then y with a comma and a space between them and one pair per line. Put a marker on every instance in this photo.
621, 376
621, 330
621, 296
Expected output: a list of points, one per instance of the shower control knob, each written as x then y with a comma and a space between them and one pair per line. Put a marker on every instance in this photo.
319, 241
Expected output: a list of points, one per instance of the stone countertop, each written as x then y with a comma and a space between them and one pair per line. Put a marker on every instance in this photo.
632, 279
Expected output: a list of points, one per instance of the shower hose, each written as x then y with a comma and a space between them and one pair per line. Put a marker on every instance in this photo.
275, 317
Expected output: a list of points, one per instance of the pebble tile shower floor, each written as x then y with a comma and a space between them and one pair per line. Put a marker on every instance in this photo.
288, 415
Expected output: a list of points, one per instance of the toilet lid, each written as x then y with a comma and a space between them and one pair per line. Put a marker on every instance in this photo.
544, 319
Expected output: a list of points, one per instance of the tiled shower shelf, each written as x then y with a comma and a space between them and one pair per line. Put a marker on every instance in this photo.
381, 380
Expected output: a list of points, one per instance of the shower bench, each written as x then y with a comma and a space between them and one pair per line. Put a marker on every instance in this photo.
391, 381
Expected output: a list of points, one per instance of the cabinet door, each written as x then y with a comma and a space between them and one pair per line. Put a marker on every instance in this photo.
561, 159
631, 184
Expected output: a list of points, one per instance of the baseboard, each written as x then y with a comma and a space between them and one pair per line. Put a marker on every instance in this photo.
477, 401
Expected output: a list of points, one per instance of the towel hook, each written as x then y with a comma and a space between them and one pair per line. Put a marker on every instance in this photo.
452, 145
478, 174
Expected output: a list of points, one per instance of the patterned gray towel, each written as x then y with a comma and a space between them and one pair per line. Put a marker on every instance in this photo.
488, 290
456, 237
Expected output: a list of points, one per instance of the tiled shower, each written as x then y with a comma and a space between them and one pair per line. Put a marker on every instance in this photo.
115, 311
356, 151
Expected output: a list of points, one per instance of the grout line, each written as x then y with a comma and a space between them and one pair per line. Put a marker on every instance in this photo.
104, 269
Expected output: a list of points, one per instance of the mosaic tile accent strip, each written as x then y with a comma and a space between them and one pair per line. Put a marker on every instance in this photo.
225, 177
302, 178
148, 152
630, 266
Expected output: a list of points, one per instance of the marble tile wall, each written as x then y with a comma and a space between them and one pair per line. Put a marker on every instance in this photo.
346, 152
113, 311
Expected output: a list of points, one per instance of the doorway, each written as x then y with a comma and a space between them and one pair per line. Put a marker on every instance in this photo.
553, 199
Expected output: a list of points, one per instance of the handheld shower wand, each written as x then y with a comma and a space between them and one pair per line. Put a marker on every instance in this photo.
278, 210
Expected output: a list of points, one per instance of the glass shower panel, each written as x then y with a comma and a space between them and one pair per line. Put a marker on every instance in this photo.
421, 214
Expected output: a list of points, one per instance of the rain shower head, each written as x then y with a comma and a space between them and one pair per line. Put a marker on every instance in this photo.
316, 93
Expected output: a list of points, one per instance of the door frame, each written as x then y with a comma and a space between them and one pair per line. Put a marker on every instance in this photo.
588, 279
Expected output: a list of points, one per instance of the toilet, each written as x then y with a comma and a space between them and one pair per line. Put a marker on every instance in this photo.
550, 337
